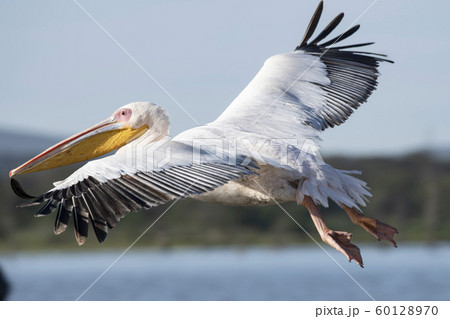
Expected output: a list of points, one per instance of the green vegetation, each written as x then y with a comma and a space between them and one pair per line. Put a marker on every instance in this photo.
410, 193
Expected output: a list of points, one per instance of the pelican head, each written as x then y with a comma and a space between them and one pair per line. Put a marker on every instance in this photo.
124, 126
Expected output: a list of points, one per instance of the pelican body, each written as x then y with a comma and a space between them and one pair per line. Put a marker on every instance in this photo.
262, 150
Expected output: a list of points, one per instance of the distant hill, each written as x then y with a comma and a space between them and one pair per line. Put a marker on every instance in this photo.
15, 148
14, 144
442, 154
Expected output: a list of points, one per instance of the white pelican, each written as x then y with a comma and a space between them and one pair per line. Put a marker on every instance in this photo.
253, 154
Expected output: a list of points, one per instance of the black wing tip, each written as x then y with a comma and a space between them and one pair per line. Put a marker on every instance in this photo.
100, 234
315, 46
328, 29
53, 202
19, 191
349, 32
312, 25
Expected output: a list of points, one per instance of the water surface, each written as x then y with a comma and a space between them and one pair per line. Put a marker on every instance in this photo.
411, 272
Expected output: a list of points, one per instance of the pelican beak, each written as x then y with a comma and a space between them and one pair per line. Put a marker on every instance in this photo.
98, 140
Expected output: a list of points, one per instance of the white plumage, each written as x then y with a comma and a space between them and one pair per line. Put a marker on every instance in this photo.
261, 150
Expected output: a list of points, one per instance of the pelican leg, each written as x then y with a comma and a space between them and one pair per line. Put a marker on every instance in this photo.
339, 240
373, 226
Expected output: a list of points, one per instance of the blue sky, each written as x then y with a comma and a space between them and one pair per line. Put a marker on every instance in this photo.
61, 73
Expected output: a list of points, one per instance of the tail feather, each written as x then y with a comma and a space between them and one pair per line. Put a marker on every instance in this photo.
323, 182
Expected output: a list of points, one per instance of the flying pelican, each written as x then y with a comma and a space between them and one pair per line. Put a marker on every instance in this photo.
260, 151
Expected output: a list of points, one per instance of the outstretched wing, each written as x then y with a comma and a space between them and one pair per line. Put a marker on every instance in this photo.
105, 190
317, 86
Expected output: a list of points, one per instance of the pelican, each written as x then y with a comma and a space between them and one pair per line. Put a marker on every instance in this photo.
261, 150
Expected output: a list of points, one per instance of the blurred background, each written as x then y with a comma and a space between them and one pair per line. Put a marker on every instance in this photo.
61, 73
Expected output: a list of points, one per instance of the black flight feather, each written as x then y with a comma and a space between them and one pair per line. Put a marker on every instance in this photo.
328, 29
341, 37
17, 188
312, 25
